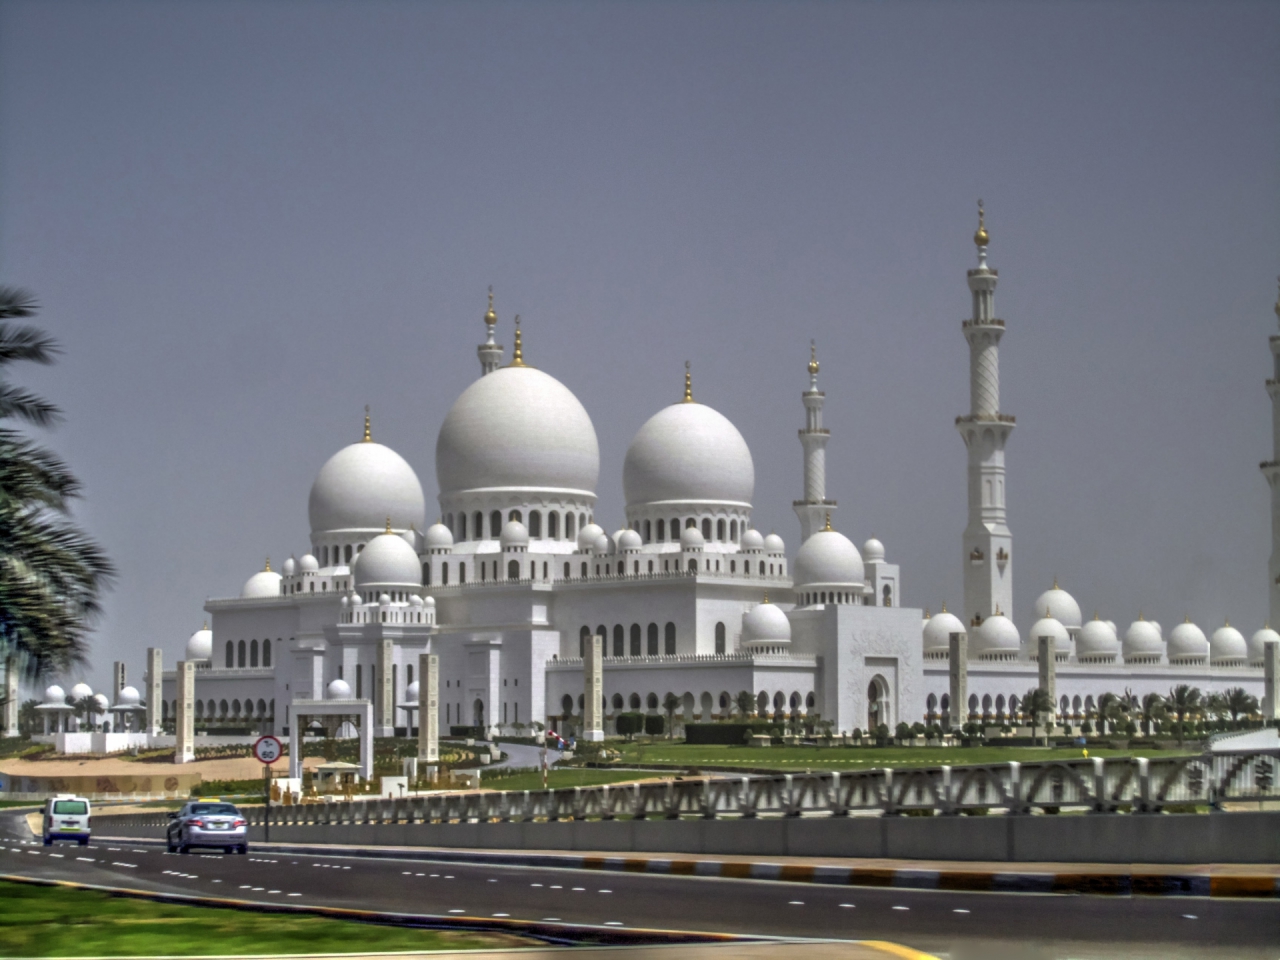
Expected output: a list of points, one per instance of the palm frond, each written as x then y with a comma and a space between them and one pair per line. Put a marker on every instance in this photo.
16, 302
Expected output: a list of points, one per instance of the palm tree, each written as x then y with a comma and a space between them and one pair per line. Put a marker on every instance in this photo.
1034, 704
745, 703
669, 704
51, 575
1215, 706
1239, 702
1185, 701
1153, 712
1111, 709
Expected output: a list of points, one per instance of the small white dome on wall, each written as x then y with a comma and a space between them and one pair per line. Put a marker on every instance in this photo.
1061, 606
265, 583
338, 690
387, 559
1187, 644
200, 644
937, 633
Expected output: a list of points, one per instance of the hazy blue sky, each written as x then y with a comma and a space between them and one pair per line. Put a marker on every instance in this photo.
245, 221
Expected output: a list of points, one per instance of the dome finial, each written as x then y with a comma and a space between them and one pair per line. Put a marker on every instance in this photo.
1055, 581
688, 382
944, 606
368, 427
388, 530
828, 526
813, 358
766, 597
517, 354
490, 317
206, 625
267, 568
980, 237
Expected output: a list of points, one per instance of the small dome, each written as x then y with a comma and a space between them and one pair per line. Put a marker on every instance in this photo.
388, 559
80, 691
766, 623
101, 703
345, 601
429, 602
630, 540
691, 539
1142, 641
587, 536
752, 540
1059, 605
688, 452
514, 534
263, 584
997, 638
130, 697
384, 599
603, 546
360, 486
1187, 644
411, 694
1048, 627
200, 645
415, 600
872, 550
774, 545
1097, 640
308, 564
54, 694
439, 537
938, 630
290, 567
413, 538
827, 557
1257, 644
1227, 646
339, 690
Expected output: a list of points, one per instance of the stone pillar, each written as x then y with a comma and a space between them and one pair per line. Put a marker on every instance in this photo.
384, 695
959, 668
155, 695
593, 690
184, 749
118, 681
429, 709
1049, 672
1271, 673
11, 698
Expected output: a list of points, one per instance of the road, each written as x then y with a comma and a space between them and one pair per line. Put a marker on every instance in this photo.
959, 926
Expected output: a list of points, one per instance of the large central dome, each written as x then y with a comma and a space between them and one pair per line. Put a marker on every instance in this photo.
361, 487
517, 427
688, 452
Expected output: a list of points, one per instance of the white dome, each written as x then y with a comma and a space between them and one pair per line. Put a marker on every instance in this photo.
938, 630
1257, 642
688, 452
388, 559
752, 540
101, 703
514, 534
54, 694
339, 690
1048, 627
1227, 646
415, 600
200, 645
766, 622
630, 540
411, 694
872, 550
603, 546
308, 564
1187, 643
827, 557
1097, 640
1060, 606
429, 602
384, 599
774, 545
1142, 641
130, 697
588, 536
360, 486
996, 637
290, 567
263, 584
80, 691
517, 427
692, 539
413, 538
439, 537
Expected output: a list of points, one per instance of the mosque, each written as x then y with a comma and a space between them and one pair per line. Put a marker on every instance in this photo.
515, 575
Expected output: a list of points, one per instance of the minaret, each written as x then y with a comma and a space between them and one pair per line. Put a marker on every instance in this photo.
988, 545
1271, 470
490, 352
813, 438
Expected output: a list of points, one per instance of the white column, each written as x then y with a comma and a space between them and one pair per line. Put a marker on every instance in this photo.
428, 708
155, 691
118, 681
1049, 671
11, 698
959, 671
815, 507
384, 693
366, 740
295, 748
1271, 677
1271, 470
184, 750
593, 690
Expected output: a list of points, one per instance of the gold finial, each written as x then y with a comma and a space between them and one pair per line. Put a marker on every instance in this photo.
688, 383
1186, 618
1055, 581
813, 358
1227, 622
517, 355
980, 236
206, 625
1047, 614
927, 615
766, 596
1095, 614
1140, 615
944, 606
388, 530
491, 318
998, 613
828, 526
267, 568
368, 432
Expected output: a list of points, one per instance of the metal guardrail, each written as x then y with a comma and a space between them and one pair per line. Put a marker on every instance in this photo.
1138, 784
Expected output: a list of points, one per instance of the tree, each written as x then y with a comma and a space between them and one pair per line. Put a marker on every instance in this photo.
1036, 703
745, 703
51, 575
669, 704
1239, 702
1112, 709
1185, 701
1153, 712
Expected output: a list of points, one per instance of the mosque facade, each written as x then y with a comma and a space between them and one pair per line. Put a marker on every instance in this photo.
516, 574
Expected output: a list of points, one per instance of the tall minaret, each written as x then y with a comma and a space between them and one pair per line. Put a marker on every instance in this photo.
490, 352
1271, 470
988, 545
815, 509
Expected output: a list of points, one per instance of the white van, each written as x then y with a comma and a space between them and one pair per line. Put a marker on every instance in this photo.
66, 817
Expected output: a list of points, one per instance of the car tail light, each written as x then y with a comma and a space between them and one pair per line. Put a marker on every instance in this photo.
239, 823
195, 823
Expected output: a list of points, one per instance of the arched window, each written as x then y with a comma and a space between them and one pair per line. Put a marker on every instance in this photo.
553, 525
621, 567
662, 530
651, 648
262, 707
566, 570
513, 569
888, 596
462, 527
199, 709
495, 524
617, 701
477, 522
444, 574
720, 530
669, 640
223, 709
583, 635
634, 701
720, 638
240, 651
266, 653
651, 701
733, 530
584, 571
675, 529
462, 573
566, 705
648, 531
346, 554
568, 526
762, 568
619, 641
635, 640
693, 565
253, 653
535, 524
231, 654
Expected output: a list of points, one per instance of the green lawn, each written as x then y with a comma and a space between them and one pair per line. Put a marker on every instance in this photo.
59, 922
558, 778
791, 759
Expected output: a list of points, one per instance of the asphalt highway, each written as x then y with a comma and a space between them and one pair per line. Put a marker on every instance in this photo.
959, 926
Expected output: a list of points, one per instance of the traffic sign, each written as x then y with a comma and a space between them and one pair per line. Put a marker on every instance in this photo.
268, 750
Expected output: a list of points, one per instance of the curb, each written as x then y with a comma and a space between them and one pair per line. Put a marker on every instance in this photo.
1252, 886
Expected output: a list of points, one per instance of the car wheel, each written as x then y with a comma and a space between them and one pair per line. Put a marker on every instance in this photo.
184, 848
84, 841
48, 841
172, 848
228, 850
244, 848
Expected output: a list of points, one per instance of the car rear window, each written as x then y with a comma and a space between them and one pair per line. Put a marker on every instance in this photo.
226, 809
70, 807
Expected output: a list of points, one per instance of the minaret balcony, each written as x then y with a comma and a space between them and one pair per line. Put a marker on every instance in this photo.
987, 418
993, 322
820, 432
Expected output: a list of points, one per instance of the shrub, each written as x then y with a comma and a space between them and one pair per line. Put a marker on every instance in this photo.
629, 724
902, 731
654, 724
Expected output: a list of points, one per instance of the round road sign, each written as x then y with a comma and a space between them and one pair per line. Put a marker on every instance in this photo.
268, 750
